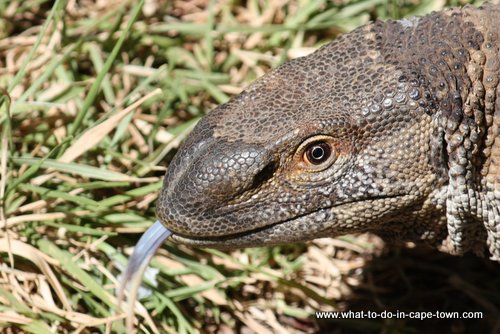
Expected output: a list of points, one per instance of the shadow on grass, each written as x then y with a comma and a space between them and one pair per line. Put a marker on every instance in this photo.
419, 279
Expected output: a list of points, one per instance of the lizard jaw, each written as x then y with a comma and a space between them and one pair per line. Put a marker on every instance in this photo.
274, 234
322, 223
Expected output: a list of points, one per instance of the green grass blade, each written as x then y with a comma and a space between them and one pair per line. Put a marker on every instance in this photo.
96, 86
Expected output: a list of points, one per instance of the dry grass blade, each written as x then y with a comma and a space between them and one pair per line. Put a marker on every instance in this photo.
94, 135
32, 254
4, 147
13, 317
40, 217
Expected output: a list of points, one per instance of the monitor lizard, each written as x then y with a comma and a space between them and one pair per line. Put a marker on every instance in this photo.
392, 129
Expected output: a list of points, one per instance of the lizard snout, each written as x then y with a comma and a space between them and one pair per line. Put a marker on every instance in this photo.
201, 183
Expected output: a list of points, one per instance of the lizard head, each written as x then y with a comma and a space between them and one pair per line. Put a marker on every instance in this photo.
327, 144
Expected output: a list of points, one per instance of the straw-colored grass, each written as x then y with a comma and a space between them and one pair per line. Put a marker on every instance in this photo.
95, 97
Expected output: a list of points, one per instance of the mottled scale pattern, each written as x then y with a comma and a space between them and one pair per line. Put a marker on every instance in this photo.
411, 112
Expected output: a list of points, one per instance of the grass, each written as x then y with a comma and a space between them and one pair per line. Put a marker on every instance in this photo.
96, 97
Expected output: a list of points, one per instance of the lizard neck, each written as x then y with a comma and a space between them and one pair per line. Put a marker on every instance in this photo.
452, 60
462, 74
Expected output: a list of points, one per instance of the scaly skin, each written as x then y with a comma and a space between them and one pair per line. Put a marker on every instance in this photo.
410, 113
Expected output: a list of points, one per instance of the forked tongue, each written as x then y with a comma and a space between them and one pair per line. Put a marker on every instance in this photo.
150, 241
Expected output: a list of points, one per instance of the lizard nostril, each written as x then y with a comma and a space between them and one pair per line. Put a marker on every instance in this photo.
265, 174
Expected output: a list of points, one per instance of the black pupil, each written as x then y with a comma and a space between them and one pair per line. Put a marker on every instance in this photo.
318, 153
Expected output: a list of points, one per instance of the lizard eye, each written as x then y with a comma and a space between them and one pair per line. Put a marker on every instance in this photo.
317, 153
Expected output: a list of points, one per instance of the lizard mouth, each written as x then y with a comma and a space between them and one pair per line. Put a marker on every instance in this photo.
281, 232
317, 224
222, 241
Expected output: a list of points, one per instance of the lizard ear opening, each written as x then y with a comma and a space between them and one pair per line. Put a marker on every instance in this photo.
317, 153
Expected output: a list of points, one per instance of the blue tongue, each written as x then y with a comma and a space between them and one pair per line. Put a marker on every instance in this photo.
150, 241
